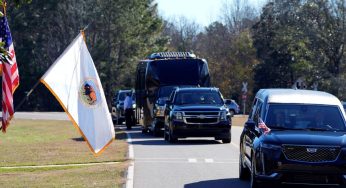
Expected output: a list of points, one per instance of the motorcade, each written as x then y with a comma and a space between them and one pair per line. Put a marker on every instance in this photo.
118, 112
233, 107
294, 137
156, 78
197, 112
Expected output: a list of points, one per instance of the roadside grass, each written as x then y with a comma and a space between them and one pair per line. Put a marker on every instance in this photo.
239, 120
37, 143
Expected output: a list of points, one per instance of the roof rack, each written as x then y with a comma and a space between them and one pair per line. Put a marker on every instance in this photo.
169, 55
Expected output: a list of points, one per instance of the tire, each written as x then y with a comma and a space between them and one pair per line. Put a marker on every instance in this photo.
226, 141
244, 173
156, 131
171, 137
253, 180
165, 135
144, 131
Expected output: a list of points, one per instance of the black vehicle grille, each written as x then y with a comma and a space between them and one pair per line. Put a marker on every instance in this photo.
198, 120
311, 154
201, 113
201, 117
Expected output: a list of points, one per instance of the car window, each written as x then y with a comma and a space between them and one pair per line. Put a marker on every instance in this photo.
228, 102
165, 91
302, 116
258, 111
198, 97
252, 113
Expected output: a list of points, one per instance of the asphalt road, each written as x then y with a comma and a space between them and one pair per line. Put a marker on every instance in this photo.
189, 163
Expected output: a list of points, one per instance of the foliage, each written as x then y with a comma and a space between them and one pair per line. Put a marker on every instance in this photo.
290, 39
301, 39
227, 46
119, 33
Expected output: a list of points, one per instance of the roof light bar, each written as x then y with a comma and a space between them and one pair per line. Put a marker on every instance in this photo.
168, 55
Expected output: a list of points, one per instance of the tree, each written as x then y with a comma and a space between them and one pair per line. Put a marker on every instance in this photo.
119, 33
301, 39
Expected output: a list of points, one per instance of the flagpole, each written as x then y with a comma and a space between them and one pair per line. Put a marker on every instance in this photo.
39, 81
4, 4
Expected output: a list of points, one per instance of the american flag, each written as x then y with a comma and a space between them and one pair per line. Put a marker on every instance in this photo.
10, 75
263, 126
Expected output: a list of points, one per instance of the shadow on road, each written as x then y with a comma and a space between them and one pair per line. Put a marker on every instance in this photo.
148, 139
179, 142
220, 183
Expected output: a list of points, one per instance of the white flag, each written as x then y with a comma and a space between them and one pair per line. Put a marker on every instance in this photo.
74, 81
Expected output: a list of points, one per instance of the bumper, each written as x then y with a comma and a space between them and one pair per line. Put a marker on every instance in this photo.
159, 122
301, 173
220, 130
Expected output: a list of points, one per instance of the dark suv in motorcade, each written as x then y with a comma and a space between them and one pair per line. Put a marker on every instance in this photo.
294, 137
197, 112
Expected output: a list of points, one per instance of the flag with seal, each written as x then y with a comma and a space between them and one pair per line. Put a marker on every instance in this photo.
74, 81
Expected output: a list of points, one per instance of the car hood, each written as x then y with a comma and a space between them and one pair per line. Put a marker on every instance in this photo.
305, 138
199, 108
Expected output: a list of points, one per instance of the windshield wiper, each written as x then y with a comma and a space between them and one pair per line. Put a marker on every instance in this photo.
284, 128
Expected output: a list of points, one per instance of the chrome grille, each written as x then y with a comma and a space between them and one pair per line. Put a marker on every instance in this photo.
201, 113
313, 154
201, 117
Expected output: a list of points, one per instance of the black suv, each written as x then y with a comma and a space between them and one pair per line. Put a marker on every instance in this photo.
197, 112
294, 137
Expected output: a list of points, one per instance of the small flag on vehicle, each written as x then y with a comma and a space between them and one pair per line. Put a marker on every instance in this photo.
263, 126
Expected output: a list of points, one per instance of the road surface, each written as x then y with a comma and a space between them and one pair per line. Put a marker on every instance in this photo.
189, 163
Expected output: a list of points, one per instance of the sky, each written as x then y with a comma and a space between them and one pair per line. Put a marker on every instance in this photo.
202, 12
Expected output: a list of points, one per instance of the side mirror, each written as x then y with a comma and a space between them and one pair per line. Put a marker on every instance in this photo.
250, 124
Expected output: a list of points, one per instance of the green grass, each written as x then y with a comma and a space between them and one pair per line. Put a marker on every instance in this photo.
29, 142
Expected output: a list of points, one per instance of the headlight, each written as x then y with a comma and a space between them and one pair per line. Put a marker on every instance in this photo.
134, 105
270, 146
223, 116
160, 110
178, 115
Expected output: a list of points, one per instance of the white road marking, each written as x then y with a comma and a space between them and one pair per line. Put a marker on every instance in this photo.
209, 160
192, 160
131, 168
235, 145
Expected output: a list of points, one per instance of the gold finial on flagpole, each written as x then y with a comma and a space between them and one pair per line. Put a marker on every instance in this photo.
83, 33
4, 4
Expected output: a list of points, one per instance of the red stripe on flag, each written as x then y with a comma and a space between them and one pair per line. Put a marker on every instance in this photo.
10, 81
7, 96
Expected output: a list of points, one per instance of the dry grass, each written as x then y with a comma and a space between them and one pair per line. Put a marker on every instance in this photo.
29, 142
239, 120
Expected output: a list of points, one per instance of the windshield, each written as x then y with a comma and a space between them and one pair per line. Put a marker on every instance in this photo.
165, 91
198, 97
303, 116
122, 96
